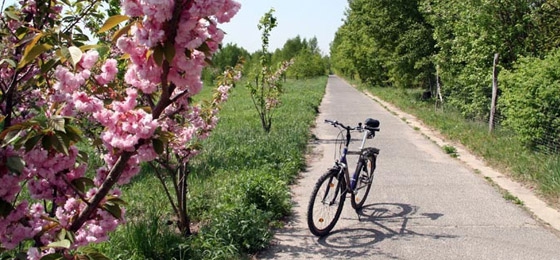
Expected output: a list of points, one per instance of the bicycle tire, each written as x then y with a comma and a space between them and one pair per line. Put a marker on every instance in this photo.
326, 203
364, 181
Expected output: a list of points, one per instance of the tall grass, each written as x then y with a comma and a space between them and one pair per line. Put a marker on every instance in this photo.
501, 149
238, 186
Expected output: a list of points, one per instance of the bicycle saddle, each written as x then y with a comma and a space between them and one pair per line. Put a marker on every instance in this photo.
373, 123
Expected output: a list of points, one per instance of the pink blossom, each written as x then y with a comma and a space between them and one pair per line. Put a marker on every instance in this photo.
109, 70
33, 254
132, 8
160, 10
86, 103
229, 9
89, 59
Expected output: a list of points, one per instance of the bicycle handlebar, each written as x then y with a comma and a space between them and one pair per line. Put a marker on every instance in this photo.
350, 128
336, 123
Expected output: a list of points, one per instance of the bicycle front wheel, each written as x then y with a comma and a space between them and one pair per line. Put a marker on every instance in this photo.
365, 169
325, 205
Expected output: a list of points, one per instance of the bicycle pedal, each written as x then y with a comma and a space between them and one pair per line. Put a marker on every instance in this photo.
365, 179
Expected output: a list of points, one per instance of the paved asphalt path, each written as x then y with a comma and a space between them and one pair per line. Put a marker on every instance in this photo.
423, 203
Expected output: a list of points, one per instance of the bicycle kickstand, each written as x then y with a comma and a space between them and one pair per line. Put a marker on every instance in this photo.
358, 212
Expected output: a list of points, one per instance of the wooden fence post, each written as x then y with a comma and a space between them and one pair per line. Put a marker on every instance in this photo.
494, 93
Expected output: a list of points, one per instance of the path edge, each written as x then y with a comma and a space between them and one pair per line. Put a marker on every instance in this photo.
540, 210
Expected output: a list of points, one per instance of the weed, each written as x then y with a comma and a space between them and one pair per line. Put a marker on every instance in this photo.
451, 150
509, 197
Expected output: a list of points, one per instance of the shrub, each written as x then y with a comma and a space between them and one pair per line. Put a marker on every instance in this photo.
268, 193
148, 238
237, 230
531, 100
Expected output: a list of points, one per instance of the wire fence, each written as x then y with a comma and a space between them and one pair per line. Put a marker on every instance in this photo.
544, 138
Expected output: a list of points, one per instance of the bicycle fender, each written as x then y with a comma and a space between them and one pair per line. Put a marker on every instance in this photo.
370, 151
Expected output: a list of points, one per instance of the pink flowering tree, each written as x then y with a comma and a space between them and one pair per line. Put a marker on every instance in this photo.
129, 97
267, 88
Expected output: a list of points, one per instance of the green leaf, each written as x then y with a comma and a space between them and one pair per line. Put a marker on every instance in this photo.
82, 183
48, 141
158, 146
73, 130
75, 55
13, 137
97, 256
82, 257
9, 132
112, 22
113, 209
65, 243
5, 208
32, 142
158, 55
32, 43
12, 63
12, 14
115, 200
83, 156
15, 164
60, 144
51, 63
204, 48
169, 51
85, 48
121, 32
54, 256
33, 53
61, 235
57, 123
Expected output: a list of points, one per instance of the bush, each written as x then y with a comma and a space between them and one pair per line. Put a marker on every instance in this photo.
238, 230
531, 100
148, 238
268, 193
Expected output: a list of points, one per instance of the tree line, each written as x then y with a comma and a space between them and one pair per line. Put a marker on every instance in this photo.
408, 43
308, 61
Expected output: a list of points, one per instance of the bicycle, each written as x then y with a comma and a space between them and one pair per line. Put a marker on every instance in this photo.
329, 193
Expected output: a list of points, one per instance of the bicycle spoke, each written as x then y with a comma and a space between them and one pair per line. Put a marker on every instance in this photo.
325, 205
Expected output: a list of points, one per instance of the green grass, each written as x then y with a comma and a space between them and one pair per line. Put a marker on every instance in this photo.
501, 149
238, 186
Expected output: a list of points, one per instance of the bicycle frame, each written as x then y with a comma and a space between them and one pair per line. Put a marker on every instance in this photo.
342, 162
324, 210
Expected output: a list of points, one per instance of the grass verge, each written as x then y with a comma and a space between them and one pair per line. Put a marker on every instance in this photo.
238, 185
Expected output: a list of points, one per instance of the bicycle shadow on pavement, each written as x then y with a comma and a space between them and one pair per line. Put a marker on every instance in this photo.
391, 221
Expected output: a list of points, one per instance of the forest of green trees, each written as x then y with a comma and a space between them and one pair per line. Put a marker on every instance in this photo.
406, 43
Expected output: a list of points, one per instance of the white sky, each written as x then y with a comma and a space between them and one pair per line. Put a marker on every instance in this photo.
306, 18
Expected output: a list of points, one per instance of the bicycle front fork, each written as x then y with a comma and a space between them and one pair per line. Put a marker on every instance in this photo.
355, 177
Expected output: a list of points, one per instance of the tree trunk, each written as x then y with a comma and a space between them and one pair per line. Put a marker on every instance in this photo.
494, 94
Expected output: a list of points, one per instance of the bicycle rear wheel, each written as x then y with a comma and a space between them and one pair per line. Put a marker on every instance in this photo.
366, 166
325, 205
